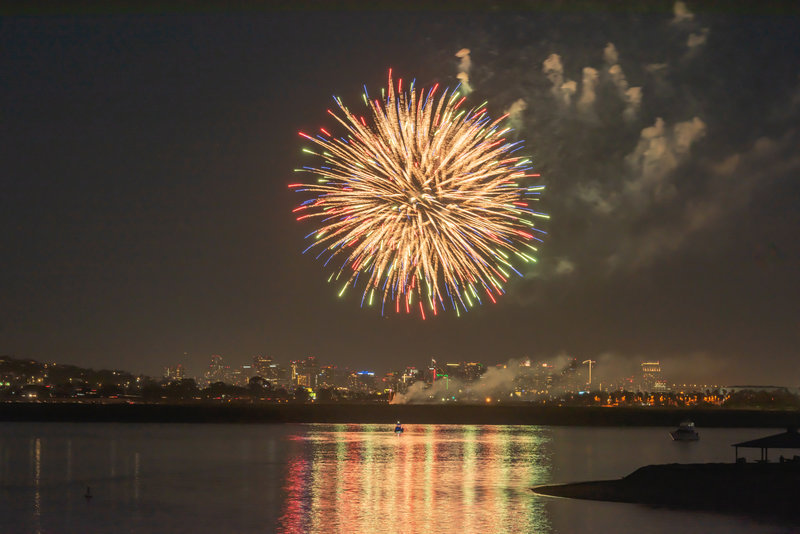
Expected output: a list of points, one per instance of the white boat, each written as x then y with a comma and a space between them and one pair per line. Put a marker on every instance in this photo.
685, 432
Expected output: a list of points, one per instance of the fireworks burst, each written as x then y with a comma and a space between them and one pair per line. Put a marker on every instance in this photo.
423, 202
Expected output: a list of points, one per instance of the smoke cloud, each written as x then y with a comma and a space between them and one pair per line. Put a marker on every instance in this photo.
682, 13
562, 373
658, 153
564, 267
632, 96
610, 54
588, 86
464, 67
652, 168
497, 382
734, 179
515, 114
697, 39
562, 90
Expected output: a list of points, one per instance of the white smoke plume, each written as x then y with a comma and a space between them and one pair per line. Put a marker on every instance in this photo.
696, 366
564, 89
588, 86
682, 13
611, 369
657, 154
554, 70
463, 70
697, 39
564, 267
685, 133
618, 78
734, 179
568, 90
632, 96
514, 112
601, 201
730, 188
497, 382
610, 54
656, 68
633, 101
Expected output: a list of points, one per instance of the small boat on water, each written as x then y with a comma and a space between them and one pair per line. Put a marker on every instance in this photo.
398, 429
685, 432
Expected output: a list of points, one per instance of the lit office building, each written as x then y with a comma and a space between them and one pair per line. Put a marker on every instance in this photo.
217, 370
174, 373
651, 376
362, 381
305, 372
261, 365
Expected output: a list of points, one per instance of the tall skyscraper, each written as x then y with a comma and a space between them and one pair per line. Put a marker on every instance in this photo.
305, 372
216, 371
261, 365
434, 372
174, 373
651, 375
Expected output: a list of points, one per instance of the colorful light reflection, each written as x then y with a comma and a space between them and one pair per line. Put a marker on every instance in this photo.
364, 478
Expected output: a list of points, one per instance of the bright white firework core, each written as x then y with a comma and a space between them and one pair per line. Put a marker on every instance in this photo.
423, 204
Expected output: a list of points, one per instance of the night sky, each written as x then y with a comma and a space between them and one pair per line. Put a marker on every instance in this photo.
145, 218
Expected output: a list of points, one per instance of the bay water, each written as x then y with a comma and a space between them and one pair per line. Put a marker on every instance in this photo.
298, 478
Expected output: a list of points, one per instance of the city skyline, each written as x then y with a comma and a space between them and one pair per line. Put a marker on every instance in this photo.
145, 212
267, 382
563, 375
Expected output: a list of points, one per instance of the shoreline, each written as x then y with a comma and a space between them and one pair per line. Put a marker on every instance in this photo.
503, 414
753, 489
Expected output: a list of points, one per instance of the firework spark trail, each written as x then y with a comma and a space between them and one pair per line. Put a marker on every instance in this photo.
423, 201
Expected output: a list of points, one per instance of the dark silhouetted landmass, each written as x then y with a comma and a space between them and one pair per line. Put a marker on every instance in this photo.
519, 414
756, 489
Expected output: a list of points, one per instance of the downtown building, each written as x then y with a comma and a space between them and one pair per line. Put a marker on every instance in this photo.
651, 379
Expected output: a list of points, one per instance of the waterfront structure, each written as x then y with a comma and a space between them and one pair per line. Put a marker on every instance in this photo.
785, 440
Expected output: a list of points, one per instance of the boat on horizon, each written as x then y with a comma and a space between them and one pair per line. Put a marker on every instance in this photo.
685, 432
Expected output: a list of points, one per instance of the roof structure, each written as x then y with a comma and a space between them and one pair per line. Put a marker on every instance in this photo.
785, 440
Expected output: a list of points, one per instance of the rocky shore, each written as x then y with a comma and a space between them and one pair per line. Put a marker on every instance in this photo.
755, 489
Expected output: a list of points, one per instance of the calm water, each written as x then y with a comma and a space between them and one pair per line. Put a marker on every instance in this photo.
338, 478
